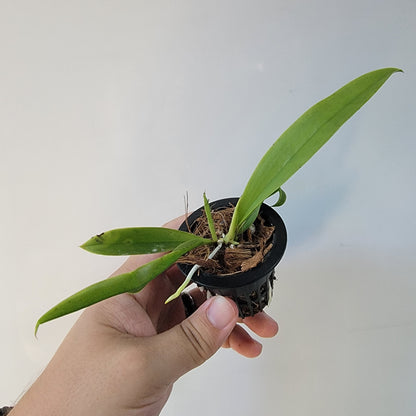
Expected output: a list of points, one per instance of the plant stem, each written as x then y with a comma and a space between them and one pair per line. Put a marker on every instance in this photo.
230, 236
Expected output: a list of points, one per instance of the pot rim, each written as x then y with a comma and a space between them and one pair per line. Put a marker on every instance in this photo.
239, 279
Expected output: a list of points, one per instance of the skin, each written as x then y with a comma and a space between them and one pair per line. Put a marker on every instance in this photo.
123, 355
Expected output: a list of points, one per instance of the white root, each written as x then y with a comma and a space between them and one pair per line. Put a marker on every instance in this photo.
190, 275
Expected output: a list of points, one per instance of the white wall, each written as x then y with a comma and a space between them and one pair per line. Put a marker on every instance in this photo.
110, 111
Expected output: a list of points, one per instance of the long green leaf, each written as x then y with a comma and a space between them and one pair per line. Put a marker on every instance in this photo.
302, 140
128, 282
210, 220
139, 240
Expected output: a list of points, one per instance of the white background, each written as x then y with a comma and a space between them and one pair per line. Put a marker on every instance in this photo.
111, 110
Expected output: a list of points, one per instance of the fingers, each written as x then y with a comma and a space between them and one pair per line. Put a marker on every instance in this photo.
262, 324
242, 343
239, 340
176, 223
195, 339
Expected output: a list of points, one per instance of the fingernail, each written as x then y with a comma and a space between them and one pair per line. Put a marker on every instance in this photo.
220, 313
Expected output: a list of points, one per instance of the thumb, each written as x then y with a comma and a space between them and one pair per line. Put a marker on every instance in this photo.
197, 338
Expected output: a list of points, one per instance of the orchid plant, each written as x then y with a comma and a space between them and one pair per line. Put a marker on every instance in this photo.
288, 154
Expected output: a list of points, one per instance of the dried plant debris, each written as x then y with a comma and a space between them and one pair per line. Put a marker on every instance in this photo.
252, 246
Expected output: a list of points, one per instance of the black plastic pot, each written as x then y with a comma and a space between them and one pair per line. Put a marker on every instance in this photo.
251, 290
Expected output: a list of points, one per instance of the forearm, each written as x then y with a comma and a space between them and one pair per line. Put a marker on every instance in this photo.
67, 385
48, 396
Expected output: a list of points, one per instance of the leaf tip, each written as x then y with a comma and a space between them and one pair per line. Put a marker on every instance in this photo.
394, 70
36, 328
95, 241
282, 198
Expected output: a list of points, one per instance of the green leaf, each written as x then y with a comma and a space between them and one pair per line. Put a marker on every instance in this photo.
252, 217
209, 219
249, 220
282, 198
140, 240
128, 282
302, 140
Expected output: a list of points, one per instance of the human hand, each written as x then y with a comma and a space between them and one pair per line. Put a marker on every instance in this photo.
124, 354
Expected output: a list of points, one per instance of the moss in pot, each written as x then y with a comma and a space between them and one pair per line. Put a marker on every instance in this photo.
246, 272
287, 155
